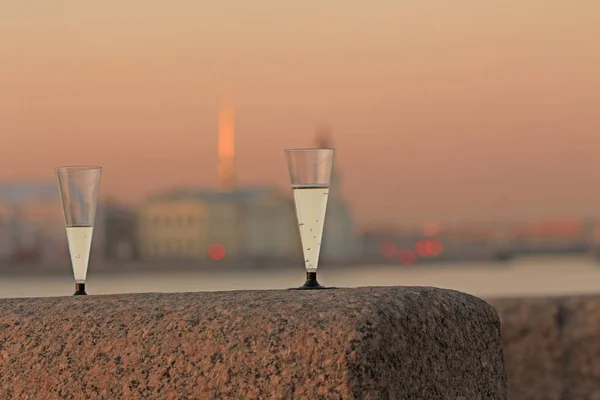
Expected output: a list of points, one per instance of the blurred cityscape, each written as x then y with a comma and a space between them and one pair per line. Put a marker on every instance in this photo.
256, 227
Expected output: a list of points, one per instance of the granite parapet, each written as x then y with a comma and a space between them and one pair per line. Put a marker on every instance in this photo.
364, 343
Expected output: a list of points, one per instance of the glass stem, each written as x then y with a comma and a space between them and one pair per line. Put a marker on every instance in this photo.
311, 276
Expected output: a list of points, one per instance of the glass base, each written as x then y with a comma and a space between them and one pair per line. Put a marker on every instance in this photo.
80, 289
311, 283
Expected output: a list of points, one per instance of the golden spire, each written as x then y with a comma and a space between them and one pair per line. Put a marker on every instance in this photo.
227, 176
323, 139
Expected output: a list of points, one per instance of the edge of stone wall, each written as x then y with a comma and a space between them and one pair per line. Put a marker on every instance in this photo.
551, 346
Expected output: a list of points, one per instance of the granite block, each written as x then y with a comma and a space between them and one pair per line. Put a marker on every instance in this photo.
551, 347
365, 343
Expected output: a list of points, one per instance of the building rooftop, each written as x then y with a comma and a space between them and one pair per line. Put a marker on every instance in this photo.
20, 192
240, 195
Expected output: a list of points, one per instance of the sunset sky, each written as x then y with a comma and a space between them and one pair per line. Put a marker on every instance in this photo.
438, 108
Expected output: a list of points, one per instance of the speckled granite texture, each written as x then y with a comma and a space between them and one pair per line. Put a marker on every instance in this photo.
367, 343
551, 347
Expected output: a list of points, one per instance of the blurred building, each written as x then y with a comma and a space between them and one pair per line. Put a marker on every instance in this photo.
250, 224
471, 241
594, 239
568, 235
36, 226
375, 242
41, 231
169, 225
340, 242
120, 231
5, 232
33, 227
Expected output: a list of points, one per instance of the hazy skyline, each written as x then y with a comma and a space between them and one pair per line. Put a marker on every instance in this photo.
438, 109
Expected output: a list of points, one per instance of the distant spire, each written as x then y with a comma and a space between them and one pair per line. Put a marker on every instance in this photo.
324, 140
324, 137
227, 172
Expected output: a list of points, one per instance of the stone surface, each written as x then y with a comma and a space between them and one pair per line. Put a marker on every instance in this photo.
367, 343
551, 347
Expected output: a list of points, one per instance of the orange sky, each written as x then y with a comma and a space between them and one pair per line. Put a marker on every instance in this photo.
438, 108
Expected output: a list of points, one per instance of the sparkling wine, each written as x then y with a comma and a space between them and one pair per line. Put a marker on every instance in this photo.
80, 243
311, 204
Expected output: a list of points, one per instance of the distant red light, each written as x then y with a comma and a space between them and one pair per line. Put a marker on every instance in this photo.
423, 248
437, 247
216, 251
427, 248
406, 257
388, 249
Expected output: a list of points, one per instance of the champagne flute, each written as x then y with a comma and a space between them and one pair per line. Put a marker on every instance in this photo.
78, 187
310, 176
